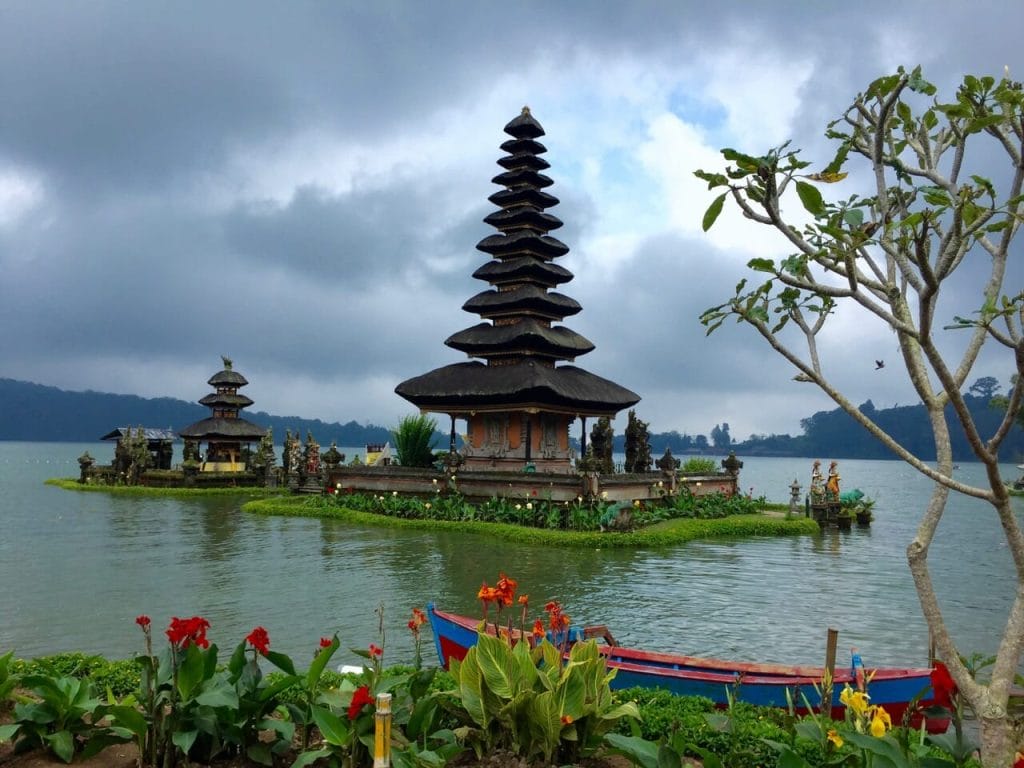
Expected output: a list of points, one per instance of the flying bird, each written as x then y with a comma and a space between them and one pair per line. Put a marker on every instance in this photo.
879, 365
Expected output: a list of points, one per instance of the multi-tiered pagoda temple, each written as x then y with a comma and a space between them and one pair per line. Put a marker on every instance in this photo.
520, 402
225, 431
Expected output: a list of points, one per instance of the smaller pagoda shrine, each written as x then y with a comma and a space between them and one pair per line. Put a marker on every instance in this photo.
519, 398
224, 431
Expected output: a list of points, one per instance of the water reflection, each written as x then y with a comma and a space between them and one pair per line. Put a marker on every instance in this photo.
84, 565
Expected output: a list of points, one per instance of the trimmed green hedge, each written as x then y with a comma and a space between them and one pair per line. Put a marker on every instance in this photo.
668, 533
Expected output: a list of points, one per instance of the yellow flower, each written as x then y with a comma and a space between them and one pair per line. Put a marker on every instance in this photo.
835, 738
855, 700
880, 722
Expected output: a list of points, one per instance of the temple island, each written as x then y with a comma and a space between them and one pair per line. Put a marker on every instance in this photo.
519, 395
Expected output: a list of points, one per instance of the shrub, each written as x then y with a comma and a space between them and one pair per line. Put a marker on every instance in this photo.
412, 440
736, 737
698, 466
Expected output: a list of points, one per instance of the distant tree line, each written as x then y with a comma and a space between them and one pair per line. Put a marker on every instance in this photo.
33, 412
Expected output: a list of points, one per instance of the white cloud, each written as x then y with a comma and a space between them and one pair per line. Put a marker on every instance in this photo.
21, 193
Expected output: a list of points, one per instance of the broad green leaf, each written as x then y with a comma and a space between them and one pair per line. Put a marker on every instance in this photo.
495, 660
316, 668
471, 689
283, 728
260, 754
839, 159
306, 758
744, 162
191, 671
237, 661
184, 740
713, 212
129, 717
854, 217
811, 198
762, 265
62, 744
335, 731
641, 751
8, 731
885, 749
219, 694
281, 661
546, 721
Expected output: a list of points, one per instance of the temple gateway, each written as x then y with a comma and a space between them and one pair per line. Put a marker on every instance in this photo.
519, 398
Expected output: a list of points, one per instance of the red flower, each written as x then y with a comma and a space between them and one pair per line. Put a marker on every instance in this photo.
184, 632
376, 651
359, 698
259, 639
943, 685
524, 599
506, 589
143, 621
325, 642
1019, 760
488, 594
538, 629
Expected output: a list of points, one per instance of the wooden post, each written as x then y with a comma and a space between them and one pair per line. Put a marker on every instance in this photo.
830, 670
382, 732
529, 436
583, 437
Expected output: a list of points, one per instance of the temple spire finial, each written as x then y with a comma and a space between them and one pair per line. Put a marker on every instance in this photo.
526, 110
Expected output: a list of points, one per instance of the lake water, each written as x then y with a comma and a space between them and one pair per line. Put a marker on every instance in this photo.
76, 568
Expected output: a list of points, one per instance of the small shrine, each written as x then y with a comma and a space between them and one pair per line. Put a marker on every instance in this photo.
518, 397
224, 431
159, 444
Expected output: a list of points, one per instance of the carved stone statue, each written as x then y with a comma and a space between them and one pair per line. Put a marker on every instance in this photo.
311, 456
832, 484
601, 443
294, 451
817, 484
638, 445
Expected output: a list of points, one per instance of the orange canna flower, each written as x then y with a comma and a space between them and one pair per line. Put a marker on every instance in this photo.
566, 719
538, 629
524, 599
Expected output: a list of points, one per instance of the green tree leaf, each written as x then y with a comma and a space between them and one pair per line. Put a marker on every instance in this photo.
811, 198
713, 211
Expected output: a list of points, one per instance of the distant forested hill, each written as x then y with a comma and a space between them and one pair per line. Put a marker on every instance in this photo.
33, 412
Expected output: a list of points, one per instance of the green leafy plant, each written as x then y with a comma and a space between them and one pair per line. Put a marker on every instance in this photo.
533, 700
413, 438
63, 716
696, 465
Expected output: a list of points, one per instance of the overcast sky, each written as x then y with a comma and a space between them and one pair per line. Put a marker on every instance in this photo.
301, 186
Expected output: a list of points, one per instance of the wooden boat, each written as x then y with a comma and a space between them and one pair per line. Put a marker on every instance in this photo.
760, 684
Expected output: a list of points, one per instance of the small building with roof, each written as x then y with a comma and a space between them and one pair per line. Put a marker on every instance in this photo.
225, 431
159, 442
518, 397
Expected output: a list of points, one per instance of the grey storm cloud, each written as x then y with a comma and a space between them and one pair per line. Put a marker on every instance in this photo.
169, 186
